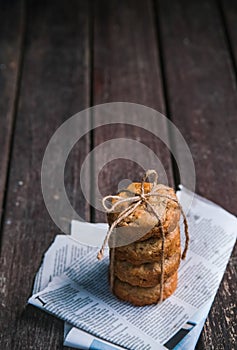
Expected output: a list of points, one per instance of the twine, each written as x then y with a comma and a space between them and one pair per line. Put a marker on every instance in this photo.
136, 200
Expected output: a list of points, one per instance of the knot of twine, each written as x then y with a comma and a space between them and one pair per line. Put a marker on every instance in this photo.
136, 200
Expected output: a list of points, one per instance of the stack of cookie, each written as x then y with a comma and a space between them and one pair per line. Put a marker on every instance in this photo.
136, 255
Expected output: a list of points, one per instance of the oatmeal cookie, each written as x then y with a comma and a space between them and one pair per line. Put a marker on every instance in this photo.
145, 275
142, 223
138, 253
141, 296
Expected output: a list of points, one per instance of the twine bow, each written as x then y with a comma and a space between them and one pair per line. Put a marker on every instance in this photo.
136, 200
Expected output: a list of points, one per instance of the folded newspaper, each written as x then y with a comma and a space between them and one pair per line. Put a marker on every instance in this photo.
73, 285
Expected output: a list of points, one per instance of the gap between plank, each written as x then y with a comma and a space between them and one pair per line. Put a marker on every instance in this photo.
175, 169
227, 37
91, 114
22, 46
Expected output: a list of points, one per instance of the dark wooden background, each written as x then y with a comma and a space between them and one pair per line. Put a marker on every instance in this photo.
60, 57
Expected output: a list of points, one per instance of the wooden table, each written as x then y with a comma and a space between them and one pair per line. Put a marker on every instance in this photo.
59, 57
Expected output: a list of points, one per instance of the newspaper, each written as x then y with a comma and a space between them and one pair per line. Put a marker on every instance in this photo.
73, 285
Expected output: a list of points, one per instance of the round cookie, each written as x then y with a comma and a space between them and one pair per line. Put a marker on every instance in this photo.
145, 275
140, 296
142, 223
150, 250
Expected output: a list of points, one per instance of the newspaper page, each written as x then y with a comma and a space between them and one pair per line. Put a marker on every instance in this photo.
81, 295
60, 255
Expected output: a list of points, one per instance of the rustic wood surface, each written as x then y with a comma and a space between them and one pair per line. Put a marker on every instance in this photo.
125, 69
54, 85
11, 39
58, 58
202, 101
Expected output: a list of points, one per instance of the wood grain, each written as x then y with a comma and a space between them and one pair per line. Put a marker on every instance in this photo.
201, 91
126, 68
54, 85
58, 58
11, 40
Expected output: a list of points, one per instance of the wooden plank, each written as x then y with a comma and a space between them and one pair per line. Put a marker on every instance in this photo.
54, 86
202, 101
11, 38
126, 68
